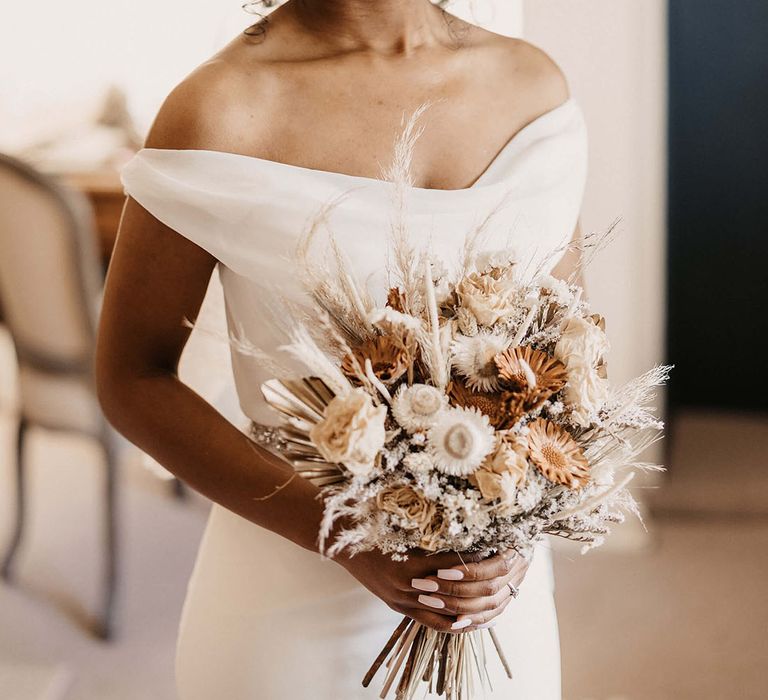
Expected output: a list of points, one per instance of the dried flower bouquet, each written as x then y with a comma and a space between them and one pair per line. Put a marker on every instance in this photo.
466, 412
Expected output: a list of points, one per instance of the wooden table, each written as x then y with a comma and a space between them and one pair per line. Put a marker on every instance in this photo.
105, 192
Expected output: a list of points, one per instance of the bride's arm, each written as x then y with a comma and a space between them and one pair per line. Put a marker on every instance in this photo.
156, 278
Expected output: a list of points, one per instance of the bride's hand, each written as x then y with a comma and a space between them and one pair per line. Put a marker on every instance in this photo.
447, 592
477, 592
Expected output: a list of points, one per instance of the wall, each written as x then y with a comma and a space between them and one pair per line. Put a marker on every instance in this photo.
59, 62
501, 16
55, 64
614, 55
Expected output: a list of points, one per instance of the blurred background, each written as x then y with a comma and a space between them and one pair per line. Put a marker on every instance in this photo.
676, 100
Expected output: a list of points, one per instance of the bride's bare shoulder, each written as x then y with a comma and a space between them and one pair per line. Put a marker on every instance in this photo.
522, 68
216, 104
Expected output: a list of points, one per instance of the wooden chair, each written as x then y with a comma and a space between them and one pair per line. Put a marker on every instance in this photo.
50, 284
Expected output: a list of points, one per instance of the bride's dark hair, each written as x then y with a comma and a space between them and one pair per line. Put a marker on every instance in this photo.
258, 28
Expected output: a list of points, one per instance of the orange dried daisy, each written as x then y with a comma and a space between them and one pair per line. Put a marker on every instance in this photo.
389, 359
532, 374
556, 454
396, 299
503, 409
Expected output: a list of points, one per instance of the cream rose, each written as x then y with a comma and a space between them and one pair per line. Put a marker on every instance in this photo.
351, 432
503, 471
488, 298
409, 504
586, 391
581, 348
582, 344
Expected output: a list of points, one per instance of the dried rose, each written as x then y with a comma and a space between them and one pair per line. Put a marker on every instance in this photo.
582, 348
351, 432
488, 298
408, 504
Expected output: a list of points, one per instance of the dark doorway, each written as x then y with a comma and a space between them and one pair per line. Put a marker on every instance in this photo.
718, 204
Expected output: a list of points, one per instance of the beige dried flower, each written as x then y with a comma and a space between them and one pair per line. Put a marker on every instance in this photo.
466, 322
433, 533
503, 471
409, 504
488, 297
582, 348
556, 454
351, 432
524, 368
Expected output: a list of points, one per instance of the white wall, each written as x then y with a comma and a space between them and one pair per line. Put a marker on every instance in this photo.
57, 59
614, 55
501, 16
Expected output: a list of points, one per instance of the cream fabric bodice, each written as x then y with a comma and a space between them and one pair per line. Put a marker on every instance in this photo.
249, 213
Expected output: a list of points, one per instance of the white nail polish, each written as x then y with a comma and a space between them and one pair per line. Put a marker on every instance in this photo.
431, 601
450, 574
423, 584
487, 625
461, 624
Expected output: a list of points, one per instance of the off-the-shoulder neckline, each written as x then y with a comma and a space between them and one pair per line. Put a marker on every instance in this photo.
569, 104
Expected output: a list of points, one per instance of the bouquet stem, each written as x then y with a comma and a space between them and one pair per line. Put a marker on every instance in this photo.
448, 663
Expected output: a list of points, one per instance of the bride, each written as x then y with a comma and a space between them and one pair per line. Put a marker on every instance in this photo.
303, 107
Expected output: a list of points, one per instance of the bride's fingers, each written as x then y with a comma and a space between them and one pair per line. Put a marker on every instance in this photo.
441, 623
472, 589
472, 622
420, 564
465, 606
491, 568
497, 566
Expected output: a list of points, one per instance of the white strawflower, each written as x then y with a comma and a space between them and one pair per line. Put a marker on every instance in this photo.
472, 357
416, 407
460, 440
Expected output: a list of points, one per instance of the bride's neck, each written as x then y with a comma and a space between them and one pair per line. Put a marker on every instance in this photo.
383, 26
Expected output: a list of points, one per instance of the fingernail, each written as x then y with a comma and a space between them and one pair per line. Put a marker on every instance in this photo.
431, 601
486, 625
461, 624
424, 584
450, 574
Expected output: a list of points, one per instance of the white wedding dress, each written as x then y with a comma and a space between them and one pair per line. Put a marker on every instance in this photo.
263, 618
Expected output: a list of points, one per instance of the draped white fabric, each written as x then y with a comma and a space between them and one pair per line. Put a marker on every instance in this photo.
264, 618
